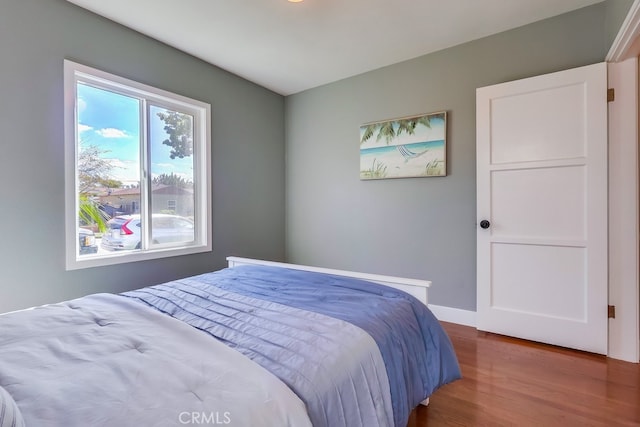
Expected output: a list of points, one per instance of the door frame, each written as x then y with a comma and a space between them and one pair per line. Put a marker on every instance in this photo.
624, 211
627, 42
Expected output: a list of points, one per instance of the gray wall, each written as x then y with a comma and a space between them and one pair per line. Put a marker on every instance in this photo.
616, 12
420, 227
248, 151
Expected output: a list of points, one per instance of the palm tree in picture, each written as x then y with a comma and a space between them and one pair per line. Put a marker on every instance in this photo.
393, 128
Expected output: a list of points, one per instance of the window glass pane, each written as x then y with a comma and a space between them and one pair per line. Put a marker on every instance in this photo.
108, 141
172, 166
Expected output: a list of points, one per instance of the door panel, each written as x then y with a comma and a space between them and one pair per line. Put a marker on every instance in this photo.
542, 133
537, 270
542, 184
551, 207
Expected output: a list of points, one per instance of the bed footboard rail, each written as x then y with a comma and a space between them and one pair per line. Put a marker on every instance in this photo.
416, 287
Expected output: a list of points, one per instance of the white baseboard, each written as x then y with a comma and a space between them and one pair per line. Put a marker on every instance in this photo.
454, 315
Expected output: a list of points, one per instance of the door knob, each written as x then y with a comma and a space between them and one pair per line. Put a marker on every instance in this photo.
484, 224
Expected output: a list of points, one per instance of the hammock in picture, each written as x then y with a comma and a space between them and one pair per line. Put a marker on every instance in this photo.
408, 154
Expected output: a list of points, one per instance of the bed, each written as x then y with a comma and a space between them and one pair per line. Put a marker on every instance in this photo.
256, 344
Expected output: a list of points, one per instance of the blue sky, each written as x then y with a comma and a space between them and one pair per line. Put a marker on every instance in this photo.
110, 121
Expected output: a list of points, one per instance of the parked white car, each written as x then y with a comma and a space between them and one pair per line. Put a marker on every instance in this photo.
124, 231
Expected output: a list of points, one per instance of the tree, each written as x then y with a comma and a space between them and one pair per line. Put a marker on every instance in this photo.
173, 180
391, 129
110, 183
179, 127
93, 170
89, 212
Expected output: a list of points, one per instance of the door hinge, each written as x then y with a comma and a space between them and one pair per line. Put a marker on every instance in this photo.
611, 95
611, 311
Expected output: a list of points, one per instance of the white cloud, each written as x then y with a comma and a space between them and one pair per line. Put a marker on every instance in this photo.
124, 170
119, 163
83, 128
112, 133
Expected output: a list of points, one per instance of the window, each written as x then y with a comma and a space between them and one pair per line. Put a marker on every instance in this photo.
138, 169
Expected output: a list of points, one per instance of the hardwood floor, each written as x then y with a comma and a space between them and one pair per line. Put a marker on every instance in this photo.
511, 382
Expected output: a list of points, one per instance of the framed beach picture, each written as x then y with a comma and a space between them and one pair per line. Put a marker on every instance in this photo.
407, 147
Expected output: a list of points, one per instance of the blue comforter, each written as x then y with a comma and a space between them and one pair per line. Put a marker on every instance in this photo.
416, 352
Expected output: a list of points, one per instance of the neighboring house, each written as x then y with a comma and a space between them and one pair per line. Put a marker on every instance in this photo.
164, 199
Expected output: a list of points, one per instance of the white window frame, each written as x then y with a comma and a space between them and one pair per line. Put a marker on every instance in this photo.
75, 73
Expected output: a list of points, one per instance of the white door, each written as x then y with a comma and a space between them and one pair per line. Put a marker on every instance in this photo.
542, 190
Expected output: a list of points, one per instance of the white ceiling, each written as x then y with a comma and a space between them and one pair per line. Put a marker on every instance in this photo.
290, 47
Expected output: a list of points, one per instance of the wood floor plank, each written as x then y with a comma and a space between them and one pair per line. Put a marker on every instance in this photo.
512, 382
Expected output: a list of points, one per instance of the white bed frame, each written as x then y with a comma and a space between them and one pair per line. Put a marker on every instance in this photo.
417, 288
